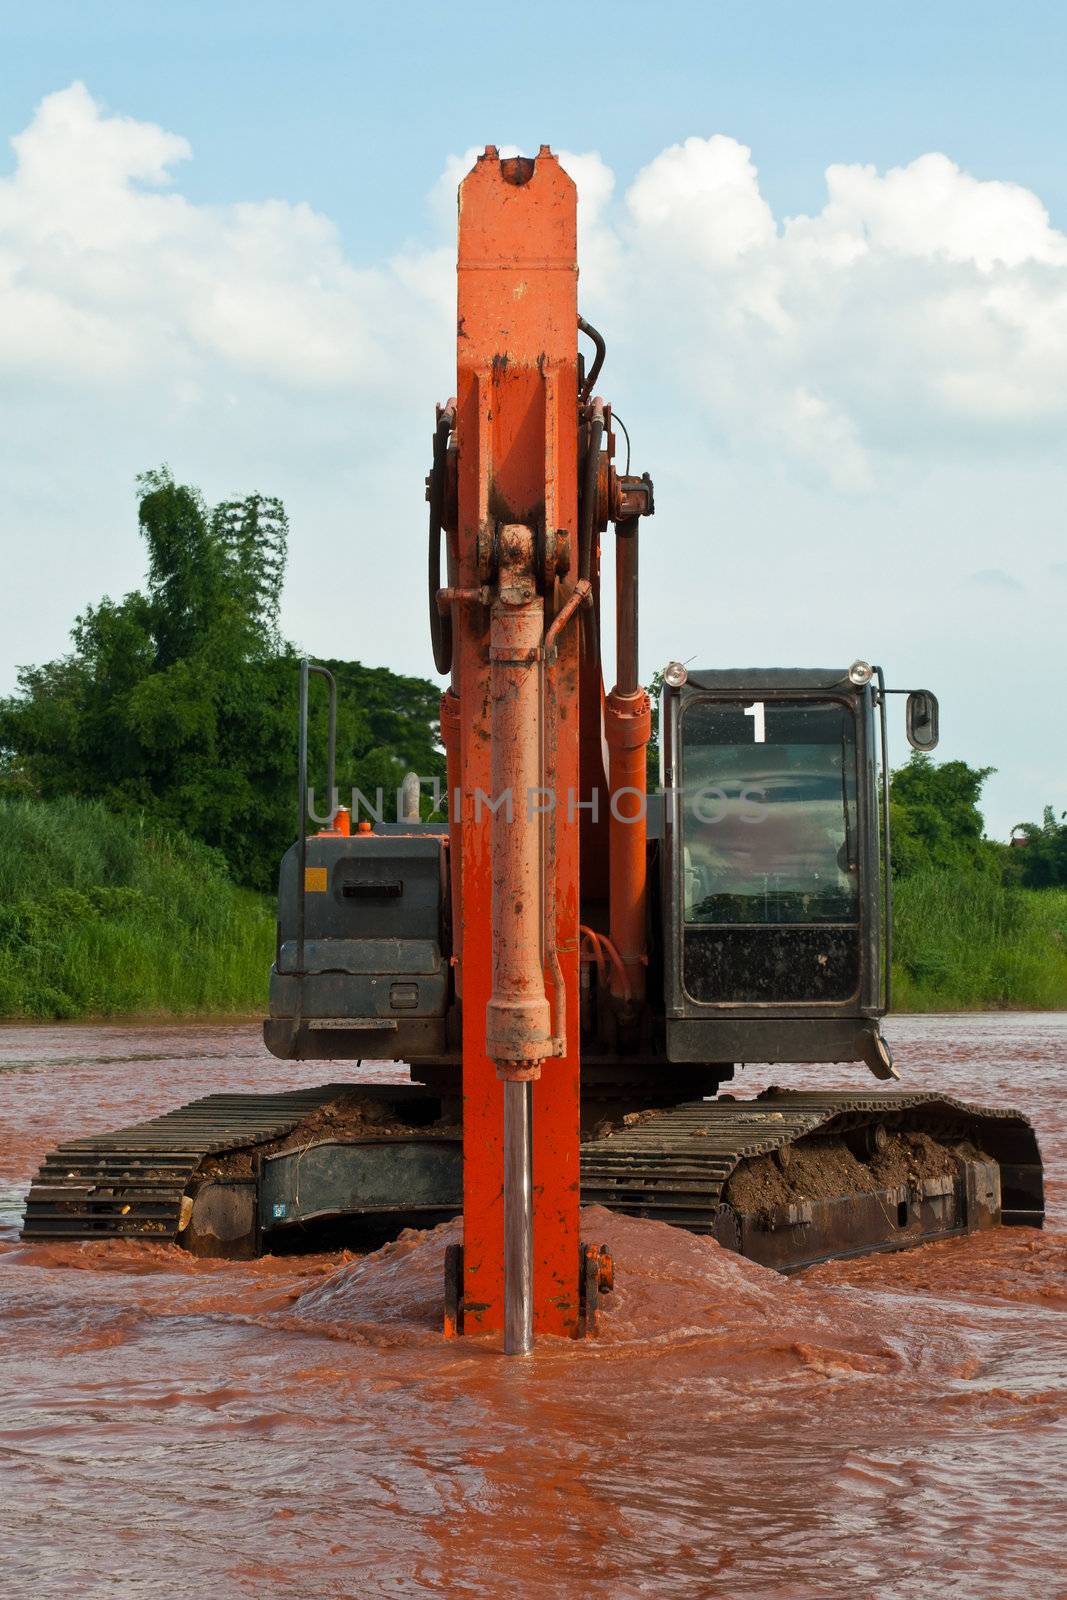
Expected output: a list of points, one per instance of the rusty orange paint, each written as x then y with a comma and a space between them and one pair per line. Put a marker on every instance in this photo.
517, 440
451, 730
627, 727
593, 778
341, 826
519, 1018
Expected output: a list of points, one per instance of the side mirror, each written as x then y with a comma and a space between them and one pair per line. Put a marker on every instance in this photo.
922, 720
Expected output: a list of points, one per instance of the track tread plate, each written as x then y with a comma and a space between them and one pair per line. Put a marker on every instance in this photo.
653, 1167
674, 1164
113, 1184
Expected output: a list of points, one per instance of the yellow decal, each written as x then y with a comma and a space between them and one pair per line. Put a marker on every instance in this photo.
315, 880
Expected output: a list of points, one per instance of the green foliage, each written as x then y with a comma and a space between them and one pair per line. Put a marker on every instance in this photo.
964, 940
175, 714
102, 914
1039, 859
181, 701
968, 931
935, 820
389, 727
212, 575
655, 693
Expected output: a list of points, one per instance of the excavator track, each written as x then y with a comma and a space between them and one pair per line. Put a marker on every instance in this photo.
681, 1167
132, 1182
697, 1165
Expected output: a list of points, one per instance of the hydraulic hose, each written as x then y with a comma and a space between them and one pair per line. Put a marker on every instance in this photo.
440, 621
590, 486
598, 360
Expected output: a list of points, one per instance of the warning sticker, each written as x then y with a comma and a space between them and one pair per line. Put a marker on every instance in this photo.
315, 880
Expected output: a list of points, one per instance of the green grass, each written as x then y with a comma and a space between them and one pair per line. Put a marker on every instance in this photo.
107, 915
104, 915
964, 942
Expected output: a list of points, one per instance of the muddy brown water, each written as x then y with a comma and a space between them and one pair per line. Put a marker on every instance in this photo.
883, 1429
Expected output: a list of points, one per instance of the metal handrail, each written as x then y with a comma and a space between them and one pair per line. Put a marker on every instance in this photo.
887, 920
306, 669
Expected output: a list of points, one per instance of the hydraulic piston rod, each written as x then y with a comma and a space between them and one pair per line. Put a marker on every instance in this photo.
518, 1033
518, 1219
518, 1018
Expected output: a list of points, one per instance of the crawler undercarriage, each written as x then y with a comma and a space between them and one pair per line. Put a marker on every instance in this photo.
788, 1179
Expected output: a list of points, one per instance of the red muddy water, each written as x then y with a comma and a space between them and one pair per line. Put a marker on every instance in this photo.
890, 1428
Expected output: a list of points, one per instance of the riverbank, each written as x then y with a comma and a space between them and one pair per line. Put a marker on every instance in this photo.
109, 917
105, 915
966, 942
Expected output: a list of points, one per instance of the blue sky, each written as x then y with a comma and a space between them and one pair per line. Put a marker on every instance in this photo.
231, 249
351, 106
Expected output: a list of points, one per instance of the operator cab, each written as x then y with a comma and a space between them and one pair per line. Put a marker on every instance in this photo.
775, 865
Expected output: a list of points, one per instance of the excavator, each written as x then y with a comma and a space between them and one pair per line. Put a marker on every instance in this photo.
572, 962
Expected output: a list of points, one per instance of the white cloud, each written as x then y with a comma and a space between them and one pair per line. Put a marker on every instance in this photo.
701, 200
914, 308
917, 311
931, 209
885, 372
103, 280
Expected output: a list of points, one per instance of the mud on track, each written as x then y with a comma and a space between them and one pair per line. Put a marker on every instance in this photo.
296, 1427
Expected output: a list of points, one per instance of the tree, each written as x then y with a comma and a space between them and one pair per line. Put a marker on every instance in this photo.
1040, 857
253, 535
182, 700
186, 565
935, 818
655, 694
396, 730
